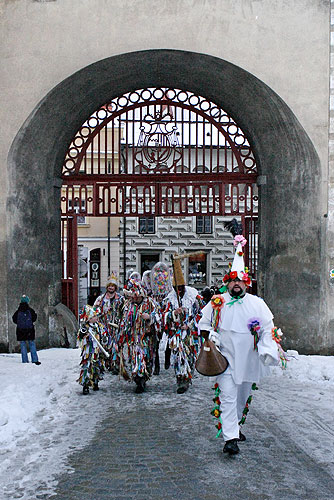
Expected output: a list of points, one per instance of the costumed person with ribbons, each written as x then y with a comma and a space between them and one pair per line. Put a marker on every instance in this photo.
93, 339
140, 320
110, 304
241, 325
182, 311
161, 286
156, 333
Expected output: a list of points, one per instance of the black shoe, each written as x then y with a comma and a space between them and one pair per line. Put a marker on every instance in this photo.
85, 390
231, 447
96, 387
140, 381
182, 386
167, 358
242, 436
37, 362
156, 370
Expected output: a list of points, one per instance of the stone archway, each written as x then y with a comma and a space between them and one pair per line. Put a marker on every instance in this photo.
290, 253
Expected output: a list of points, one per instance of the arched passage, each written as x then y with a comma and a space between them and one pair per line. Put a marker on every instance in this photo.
290, 257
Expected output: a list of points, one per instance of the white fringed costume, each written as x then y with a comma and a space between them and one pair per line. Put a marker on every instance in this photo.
246, 364
184, 344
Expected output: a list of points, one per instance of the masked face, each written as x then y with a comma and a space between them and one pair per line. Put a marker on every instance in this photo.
236, 288
181, 290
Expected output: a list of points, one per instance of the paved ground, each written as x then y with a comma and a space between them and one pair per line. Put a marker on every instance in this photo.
162, 446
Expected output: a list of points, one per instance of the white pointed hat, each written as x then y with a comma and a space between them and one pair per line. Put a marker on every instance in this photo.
238, 264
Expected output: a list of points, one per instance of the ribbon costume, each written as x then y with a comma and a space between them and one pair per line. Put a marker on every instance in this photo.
110, 304
92, 336
139, 322
182, 311
160, 286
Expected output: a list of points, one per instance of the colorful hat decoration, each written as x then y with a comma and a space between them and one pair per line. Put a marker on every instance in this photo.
178, 278
160, 280
238, 269
112, 279
89, 312
134, 287
135, 275
146, 279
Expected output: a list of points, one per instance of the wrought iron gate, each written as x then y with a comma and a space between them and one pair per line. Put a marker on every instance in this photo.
157, 151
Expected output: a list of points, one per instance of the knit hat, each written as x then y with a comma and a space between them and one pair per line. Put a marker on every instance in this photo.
25, 299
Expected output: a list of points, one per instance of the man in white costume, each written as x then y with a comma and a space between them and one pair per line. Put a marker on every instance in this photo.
241, 327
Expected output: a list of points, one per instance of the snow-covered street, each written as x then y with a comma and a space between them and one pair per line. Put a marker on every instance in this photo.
45, 420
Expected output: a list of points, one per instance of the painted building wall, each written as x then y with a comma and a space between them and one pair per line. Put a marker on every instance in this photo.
284, 44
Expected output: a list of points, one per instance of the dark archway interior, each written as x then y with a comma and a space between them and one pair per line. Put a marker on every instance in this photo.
289, 264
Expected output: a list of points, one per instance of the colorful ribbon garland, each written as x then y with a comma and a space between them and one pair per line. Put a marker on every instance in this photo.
254, 326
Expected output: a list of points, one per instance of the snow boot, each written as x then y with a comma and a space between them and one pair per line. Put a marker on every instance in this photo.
231, 447
96, 387
85, 390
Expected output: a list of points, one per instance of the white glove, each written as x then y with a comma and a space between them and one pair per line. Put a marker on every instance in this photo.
268, 360
215, 338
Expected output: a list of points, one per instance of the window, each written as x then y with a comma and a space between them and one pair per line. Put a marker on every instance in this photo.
197, 270
147, 261
204, 224
146, 225
81, 219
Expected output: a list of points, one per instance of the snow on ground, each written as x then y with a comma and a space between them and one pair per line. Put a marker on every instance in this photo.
42, 418
43, 414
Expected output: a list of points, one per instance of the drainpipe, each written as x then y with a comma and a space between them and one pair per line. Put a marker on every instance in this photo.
108, 246
124, 250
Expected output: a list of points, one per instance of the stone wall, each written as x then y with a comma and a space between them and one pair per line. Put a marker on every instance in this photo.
265, 62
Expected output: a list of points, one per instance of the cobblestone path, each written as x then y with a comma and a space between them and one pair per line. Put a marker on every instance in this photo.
162, 446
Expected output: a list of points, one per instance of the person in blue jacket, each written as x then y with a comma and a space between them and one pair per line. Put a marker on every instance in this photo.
24, 318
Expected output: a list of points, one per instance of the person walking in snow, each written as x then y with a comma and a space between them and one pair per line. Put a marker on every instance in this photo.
140, 320
182, 311
93, 339
24, 318
110, 304
241, 325
160, 286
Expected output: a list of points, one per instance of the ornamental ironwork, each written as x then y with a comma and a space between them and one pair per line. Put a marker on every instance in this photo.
159, 151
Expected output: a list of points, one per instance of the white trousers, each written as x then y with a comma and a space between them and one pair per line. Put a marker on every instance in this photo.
233, 398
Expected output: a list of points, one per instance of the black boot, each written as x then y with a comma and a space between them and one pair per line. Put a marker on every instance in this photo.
156, 363
96, 387
231, 447
140, 382
182, 385
242, 436
167, 357
85, 390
